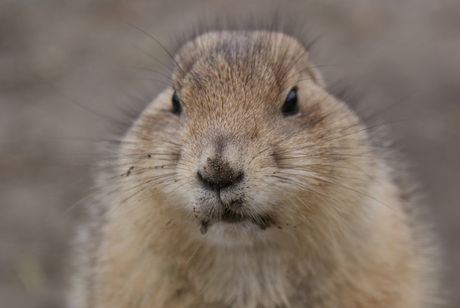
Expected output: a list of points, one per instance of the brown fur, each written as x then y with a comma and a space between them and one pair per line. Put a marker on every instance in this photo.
324, 222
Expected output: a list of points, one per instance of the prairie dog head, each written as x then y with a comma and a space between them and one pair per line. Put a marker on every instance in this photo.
246, 140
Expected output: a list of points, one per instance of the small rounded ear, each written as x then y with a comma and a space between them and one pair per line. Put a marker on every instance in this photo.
316, 76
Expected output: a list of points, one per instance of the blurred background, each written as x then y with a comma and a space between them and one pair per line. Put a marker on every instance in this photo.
68, 66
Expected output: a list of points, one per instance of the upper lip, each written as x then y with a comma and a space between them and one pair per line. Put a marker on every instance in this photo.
232, 210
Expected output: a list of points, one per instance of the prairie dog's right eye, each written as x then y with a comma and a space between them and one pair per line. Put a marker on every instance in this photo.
291, 105
176, 107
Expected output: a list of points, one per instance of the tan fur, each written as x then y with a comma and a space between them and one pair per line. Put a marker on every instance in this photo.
338, 233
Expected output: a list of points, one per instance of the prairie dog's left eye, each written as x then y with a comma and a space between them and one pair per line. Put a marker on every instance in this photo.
290, 106
176, 107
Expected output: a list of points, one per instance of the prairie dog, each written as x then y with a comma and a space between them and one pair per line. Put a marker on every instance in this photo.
246, 184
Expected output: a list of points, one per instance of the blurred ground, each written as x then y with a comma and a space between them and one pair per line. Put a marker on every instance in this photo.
59, 58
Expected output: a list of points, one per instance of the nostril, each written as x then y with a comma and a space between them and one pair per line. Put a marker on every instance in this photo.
217, 181
239, 177
201, 178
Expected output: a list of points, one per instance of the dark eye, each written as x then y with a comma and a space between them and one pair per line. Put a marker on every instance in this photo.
290, 106
176, 107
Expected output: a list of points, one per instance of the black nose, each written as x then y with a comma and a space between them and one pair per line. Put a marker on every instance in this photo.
217, 174
219, 182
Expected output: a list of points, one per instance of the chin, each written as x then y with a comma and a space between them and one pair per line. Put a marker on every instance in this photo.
224, 233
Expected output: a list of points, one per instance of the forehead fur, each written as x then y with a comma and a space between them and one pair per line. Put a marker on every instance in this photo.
244, 58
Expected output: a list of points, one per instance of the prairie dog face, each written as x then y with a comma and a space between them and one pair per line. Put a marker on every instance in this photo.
245, 139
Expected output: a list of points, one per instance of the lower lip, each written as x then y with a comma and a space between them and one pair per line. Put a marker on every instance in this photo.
230, 217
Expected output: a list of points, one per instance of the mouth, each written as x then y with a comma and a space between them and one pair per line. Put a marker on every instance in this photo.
228, 216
